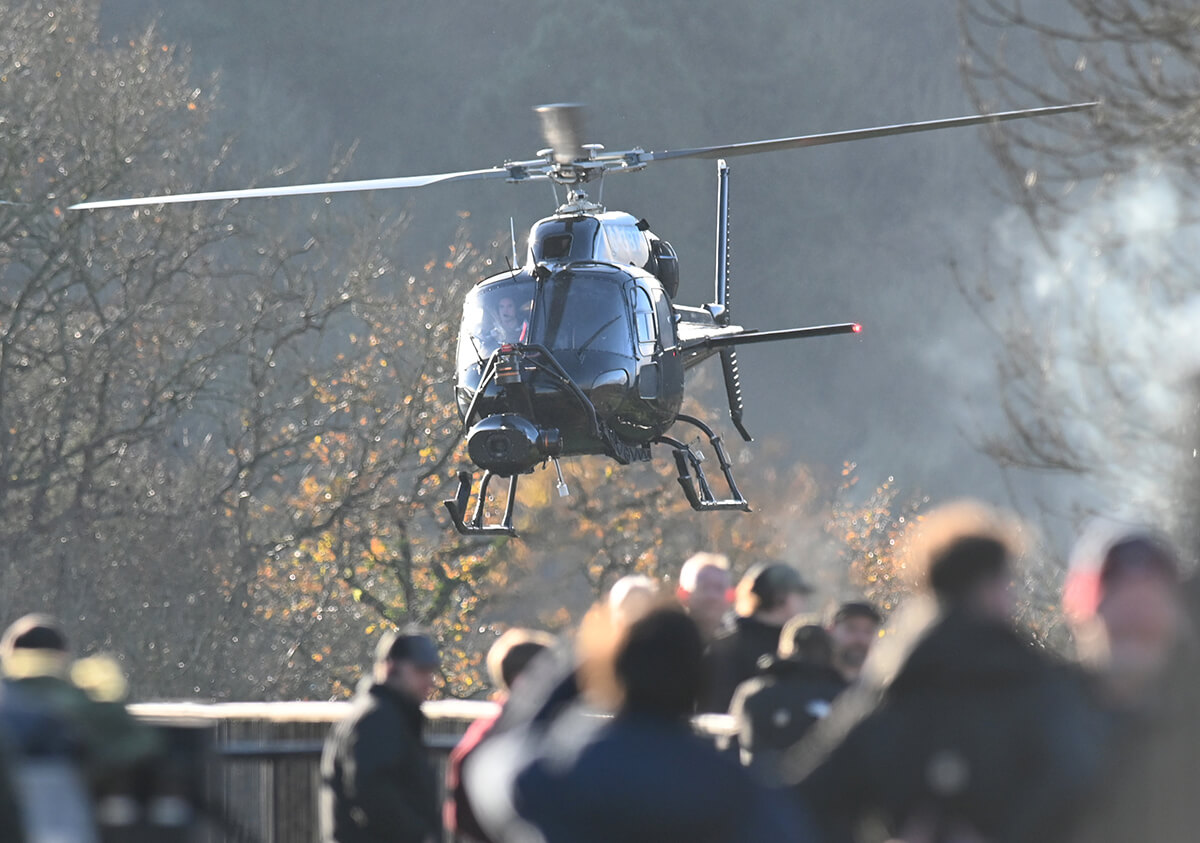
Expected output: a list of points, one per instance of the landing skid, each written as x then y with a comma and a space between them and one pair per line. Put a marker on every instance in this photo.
688, 460
691, 478
457, 507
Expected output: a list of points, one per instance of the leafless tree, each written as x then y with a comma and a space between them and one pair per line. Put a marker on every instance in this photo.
1089, 289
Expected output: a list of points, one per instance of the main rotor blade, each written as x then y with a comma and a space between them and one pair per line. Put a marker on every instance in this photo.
562, 126
861, 134
297, 189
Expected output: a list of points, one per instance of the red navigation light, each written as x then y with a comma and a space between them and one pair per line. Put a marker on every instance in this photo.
857, 328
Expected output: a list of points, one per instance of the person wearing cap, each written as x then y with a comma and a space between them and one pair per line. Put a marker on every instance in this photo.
1124, 597
853, 632
768, 596
1121, 597
377, 782
978, 735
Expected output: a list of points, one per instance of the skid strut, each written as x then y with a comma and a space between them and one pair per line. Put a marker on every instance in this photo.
457, 507
688, 460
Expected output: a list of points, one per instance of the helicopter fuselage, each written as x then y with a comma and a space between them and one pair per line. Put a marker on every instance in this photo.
591, 353
575, 353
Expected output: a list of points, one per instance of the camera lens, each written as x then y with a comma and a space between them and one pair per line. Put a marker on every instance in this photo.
498, 446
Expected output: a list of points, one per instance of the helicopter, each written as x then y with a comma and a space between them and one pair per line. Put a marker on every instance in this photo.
581, 349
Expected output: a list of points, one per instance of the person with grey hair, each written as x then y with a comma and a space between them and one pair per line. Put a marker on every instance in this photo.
704, 591
377, 782
630, 597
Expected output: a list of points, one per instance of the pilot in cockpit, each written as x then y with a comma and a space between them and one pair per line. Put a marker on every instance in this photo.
510, 327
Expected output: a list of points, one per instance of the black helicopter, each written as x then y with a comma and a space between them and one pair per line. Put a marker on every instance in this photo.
582, 350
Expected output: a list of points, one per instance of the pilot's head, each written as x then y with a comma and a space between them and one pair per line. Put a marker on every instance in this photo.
506, 311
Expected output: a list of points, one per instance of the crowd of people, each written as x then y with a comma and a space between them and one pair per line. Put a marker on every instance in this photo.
943, 723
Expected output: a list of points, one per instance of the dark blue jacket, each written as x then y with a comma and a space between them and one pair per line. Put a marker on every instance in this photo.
644, 778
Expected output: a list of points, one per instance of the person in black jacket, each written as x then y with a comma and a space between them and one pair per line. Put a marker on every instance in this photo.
768, 596
793, 691
377, 784
979, 736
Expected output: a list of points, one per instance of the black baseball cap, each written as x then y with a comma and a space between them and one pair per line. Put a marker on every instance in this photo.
408, 645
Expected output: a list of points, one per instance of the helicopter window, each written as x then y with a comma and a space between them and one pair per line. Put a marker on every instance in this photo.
493, 315
644, 321
627, 245
556, 247
564, 240
666, 324
583, 313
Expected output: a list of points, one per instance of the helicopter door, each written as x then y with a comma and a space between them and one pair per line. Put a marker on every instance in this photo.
670, 364
646, 328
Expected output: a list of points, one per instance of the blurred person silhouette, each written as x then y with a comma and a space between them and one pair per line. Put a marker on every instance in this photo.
977, 736
1122, 599
768, 596
645, 775
631, 597
78, 750
792, 692
377, 782
853, 632
1127, 606
704, 591
507, 660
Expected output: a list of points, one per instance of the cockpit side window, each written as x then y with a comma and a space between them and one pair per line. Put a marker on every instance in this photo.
666, 318
644, 321
493, 315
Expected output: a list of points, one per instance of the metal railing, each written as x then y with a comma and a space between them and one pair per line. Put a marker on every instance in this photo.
256, 765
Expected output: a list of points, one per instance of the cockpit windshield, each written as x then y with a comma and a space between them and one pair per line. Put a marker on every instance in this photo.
576, 309
583, 311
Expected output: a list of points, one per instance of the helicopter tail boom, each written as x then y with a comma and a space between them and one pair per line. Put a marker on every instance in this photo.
719, 341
